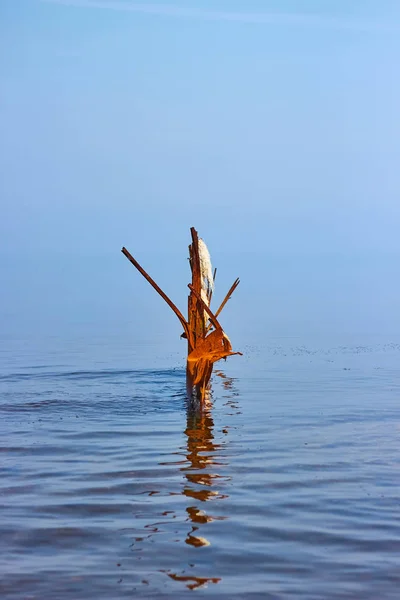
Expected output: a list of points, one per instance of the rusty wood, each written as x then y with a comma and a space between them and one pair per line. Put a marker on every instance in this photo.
195, 256
195, 313
204, 348
207, 309
227, 297
208, 351
159, 290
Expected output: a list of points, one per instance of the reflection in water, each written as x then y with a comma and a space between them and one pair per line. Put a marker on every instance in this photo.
194, 582
203, 466
202, 469
202, 455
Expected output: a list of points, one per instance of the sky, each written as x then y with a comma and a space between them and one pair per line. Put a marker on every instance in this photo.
271, 126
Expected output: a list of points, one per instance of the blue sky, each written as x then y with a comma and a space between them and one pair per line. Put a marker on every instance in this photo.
272, 126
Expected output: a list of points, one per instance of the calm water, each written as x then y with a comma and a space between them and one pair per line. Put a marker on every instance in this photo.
285, 486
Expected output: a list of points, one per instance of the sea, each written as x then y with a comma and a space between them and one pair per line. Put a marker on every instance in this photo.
115, 485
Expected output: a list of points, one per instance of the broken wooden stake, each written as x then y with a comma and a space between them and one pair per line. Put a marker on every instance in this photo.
207, 341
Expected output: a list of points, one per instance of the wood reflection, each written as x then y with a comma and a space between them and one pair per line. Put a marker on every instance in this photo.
194, 582
203, 458
203, 468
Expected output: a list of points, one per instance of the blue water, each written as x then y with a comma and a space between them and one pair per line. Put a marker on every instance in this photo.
113, 485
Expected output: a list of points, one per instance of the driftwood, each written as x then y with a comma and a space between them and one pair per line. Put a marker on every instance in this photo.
207, 341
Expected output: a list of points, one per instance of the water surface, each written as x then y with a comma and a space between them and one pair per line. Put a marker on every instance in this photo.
286, 485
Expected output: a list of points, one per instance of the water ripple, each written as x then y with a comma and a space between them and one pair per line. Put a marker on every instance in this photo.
285, 485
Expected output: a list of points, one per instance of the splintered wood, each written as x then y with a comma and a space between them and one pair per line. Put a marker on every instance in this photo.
207, 341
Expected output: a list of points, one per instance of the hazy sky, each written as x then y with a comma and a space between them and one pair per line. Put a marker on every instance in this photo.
271, 126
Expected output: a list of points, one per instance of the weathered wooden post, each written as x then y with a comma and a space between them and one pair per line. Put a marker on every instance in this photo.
207, 342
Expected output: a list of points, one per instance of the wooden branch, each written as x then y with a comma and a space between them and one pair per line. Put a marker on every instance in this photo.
195, 260
159, 290
207, 309
195, 315
227, 297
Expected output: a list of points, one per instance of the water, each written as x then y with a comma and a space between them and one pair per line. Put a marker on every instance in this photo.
286, 485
